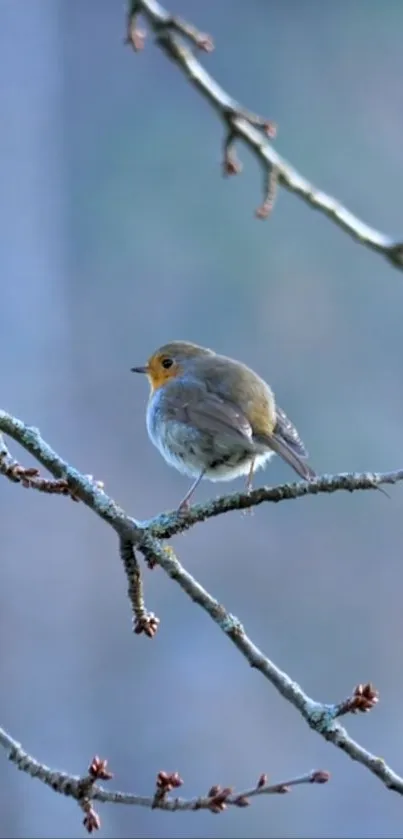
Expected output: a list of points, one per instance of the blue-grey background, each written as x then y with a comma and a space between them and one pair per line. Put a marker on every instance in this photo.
118, 234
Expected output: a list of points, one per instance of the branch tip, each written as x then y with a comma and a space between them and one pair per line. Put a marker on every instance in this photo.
231, 165
270, 129
201, 40
363, 699
91, 820
164, 784
167, 781
262, 781
136, 39
29, 476
144, 622
320, 776
98, 769
134, 36
270, 183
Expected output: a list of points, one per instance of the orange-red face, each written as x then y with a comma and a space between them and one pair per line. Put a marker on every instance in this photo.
169, 361
160, 368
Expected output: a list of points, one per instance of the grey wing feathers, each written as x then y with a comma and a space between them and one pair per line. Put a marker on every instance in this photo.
280, 445
285, 429
218, 416
286, 442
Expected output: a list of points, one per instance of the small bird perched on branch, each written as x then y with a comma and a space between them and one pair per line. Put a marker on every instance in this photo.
213, 417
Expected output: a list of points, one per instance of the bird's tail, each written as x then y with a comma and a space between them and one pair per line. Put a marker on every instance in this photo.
281, 447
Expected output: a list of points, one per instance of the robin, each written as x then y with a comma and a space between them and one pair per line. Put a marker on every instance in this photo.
213, 417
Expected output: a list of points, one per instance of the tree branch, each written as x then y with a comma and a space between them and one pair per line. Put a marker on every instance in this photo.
29, 476
321, 717
168, 524
143, 621
171, 35
85, 790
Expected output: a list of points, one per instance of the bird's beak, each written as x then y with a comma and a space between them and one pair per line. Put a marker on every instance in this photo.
143, 369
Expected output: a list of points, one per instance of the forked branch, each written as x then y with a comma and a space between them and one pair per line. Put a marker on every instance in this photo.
85, 790
142, 536
176, 38
174, 35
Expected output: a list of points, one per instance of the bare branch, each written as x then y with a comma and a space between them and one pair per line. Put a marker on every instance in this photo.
143, 621
178, 39
321, 717
172, 35
270, 181
97, 771
83, 486
85, 790
29, 476
166, 525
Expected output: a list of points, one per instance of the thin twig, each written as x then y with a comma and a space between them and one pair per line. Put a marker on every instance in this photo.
166, 525
248, 127
321, 717
85, 790
143, 620
29, 476
270, 181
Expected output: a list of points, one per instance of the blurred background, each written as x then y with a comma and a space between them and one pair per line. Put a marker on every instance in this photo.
118, 233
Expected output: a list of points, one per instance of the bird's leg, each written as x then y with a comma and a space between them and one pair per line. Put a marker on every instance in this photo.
248, 487
249, 479
185, 503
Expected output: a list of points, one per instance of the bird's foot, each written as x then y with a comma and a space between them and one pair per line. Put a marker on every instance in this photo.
248, 511
184, 507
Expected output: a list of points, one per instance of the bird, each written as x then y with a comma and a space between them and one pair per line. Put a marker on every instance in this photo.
213, 417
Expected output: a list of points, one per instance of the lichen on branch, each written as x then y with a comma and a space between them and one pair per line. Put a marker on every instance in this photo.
178, 40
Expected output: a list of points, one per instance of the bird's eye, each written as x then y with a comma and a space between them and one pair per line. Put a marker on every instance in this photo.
167, 363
